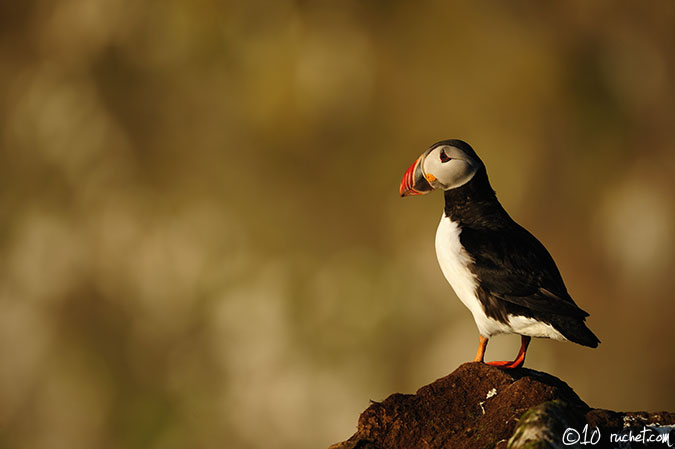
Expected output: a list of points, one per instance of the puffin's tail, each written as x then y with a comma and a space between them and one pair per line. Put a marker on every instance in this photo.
576, 330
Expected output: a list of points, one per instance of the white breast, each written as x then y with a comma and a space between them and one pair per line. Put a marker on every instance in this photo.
455, 261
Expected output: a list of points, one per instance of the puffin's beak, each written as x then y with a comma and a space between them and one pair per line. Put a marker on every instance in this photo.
414, 182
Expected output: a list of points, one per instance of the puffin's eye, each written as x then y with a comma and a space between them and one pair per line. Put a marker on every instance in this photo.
444, 157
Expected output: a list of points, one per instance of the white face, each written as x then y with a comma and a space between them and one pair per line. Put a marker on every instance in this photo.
447, 167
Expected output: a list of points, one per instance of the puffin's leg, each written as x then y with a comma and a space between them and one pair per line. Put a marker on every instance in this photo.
482, 344
520, 358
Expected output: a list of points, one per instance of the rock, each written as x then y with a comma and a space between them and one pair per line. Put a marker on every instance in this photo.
543, 425
479, 406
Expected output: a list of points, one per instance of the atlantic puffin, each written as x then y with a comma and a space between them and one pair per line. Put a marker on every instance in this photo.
501, 272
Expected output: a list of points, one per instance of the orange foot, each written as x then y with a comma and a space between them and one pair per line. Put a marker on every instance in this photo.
508, 365
517, 363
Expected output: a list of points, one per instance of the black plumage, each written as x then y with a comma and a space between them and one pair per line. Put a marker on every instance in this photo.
516, 274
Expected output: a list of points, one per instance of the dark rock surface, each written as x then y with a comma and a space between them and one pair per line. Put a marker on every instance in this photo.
479, 406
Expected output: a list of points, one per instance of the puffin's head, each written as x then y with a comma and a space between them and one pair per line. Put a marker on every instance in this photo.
446, 165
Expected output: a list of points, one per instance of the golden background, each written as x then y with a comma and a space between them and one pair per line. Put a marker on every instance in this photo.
201, 238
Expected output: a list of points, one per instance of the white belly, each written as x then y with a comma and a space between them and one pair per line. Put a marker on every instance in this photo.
454, 261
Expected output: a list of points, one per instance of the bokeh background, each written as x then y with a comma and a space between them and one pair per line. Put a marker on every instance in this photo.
201, 238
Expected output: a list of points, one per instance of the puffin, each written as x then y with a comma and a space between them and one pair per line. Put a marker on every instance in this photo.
498, 270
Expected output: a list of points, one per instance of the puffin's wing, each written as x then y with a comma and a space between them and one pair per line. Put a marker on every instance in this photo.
512, 265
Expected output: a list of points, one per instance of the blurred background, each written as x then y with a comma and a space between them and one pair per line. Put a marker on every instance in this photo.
201, 238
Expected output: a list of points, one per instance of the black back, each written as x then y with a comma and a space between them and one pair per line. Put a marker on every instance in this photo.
516, 273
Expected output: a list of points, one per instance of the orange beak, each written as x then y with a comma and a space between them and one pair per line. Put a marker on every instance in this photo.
414, 182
